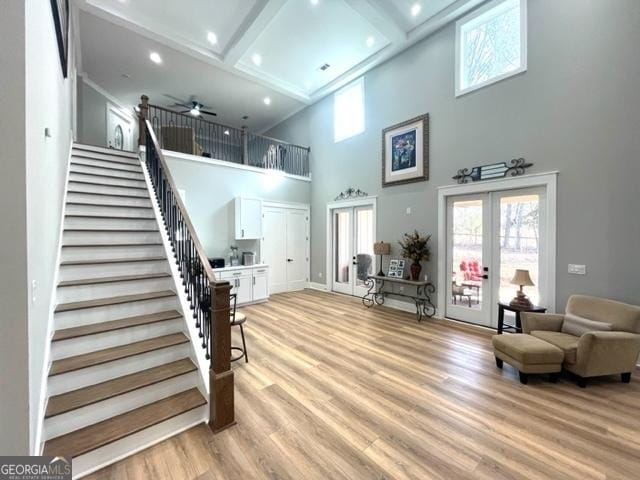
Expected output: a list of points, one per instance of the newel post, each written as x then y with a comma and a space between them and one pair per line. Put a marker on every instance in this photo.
221, 404
245, 145
143, 114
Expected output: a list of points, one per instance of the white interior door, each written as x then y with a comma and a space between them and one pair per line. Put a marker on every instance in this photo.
297, 255
274, 251
489, 236
119, 130
353, 237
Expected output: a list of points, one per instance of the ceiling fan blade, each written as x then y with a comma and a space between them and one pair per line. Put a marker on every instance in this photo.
207, 112
181, 101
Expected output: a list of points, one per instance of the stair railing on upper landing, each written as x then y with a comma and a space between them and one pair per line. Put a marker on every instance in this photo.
208, 297
194, 135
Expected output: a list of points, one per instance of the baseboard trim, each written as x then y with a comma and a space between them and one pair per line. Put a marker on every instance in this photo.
317, 286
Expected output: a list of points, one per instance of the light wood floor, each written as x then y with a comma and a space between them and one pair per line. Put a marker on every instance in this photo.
337, 391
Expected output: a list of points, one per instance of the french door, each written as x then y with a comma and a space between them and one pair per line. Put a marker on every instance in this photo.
489, 236
352, 249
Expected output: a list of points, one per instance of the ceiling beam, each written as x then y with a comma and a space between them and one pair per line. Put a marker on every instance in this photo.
250, 29
382, 17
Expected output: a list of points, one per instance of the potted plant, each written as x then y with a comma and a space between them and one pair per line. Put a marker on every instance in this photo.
415, 247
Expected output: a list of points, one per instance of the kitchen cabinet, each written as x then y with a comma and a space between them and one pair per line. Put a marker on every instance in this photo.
249, 283
248, 218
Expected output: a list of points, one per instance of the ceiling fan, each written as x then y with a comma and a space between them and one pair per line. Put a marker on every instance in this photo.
192, 106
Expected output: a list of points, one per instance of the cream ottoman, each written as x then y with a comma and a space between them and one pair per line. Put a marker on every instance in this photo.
528, 354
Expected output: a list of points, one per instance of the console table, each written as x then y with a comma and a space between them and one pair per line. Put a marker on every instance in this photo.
377, 293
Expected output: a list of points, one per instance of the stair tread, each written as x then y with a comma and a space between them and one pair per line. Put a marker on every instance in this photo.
112, 260
111, 244
113, 325
82, 397
97, 215
118, 230
86, 182
78, 362
82, 162
121, 278
85, 147
93, 204
94, 436
102, 302
102, 194
107, 175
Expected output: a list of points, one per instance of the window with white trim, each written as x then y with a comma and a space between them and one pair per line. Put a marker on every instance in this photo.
348, 111
491, 44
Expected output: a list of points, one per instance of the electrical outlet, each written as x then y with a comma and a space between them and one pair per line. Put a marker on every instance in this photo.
577, 269
319, 274
34, 291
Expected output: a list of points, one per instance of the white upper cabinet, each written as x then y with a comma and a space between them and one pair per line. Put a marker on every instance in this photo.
248, 218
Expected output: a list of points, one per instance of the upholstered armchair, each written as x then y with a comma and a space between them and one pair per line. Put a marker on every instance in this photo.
598, 336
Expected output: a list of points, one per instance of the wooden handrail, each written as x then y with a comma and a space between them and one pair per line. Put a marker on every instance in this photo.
167, 173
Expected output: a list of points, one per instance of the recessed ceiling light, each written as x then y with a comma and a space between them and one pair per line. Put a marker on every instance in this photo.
125, 75
267, 101
212, 37
314, 2
370, 41
155, 57
415, 9
256, 58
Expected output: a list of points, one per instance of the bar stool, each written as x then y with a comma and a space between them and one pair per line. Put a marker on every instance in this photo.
237, 319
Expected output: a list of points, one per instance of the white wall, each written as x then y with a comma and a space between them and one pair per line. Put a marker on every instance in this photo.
210, 192
14, 386
575, 110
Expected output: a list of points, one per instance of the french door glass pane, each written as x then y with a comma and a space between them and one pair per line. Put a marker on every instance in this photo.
466, 256
519, 243
364, 243
342, 245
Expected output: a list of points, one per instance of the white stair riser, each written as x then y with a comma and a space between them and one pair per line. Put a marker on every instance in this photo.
110, 223
100, 180
88, 316
108, 200
91, 162
97, 412
91, 343
84, 377
77, 293
101, 457
109, 210
102, 253
76, 272
107, 172
91, 238
105, 155
107, 189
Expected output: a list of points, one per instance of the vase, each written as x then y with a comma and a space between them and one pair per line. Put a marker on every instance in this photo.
415, 268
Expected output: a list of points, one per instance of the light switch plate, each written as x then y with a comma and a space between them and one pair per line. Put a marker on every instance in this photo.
408, 210
577, 269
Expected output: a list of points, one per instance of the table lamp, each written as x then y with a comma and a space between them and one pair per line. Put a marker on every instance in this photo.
381, 248
522, 278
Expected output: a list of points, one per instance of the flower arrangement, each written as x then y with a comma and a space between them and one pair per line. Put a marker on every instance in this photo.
415, 247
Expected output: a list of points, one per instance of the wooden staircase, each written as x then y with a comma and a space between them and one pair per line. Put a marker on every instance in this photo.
124, 374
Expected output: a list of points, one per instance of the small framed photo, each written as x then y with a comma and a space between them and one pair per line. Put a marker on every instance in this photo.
401, 264
405, 152
393, 264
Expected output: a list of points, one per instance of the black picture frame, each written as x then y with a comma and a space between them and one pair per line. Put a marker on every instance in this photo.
419, 171
60, 10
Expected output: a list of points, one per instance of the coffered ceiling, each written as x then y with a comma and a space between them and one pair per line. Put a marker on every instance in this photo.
300, 50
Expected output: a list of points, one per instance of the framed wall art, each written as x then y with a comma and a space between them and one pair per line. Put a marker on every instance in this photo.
60, 9
405, 152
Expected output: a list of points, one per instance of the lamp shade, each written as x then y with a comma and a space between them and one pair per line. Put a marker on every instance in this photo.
381, 248
521, 277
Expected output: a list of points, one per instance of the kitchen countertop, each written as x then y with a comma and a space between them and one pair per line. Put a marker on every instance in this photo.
240, 267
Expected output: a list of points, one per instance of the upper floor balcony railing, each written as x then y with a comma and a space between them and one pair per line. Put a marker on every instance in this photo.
193, 135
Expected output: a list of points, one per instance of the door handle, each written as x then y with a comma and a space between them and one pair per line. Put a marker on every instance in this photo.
289, 259
486, 269
485, 276
243, 232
